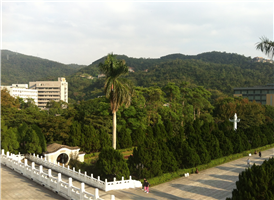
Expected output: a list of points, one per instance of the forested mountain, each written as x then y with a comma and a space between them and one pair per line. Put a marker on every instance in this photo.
217, 71
20, 68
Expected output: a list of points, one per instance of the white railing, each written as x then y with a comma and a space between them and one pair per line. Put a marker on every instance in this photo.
95, 182
64, 189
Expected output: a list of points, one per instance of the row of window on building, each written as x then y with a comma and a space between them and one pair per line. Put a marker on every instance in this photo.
39, 94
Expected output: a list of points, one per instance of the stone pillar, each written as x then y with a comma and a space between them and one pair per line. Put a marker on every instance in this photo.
40, 173
69, 186
91, 176
32, 169
106, 185
3, 151
82, 190
49, 173
98, 178
33, 165
114, 182
96, 193
8, 154
49, 177
59, 182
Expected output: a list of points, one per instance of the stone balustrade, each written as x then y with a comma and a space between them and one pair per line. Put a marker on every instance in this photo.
64, 189
83, 177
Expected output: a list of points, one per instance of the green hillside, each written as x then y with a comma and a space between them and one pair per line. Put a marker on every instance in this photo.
218, 71
20, 68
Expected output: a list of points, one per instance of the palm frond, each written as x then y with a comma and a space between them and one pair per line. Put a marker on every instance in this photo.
266, 46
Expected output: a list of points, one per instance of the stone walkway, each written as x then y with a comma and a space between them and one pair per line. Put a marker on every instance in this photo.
17, 186
214, 183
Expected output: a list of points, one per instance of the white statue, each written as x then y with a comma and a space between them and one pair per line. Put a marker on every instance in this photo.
235, 120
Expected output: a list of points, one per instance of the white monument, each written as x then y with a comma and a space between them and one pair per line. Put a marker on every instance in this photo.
235, 121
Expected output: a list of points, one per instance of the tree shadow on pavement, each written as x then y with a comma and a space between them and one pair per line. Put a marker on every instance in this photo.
225, 177
217, 183
208, 192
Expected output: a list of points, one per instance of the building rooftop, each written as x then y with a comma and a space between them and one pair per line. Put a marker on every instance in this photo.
55, 147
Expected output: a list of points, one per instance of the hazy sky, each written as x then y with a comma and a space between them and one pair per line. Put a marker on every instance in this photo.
84, 31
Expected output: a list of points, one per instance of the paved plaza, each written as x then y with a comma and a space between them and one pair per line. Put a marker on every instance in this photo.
17, 186
214, 183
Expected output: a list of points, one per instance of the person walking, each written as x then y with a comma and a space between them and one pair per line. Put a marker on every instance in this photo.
248, 162
260, 154
146, 185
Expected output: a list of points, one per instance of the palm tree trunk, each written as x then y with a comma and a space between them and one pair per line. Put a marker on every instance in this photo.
114, 130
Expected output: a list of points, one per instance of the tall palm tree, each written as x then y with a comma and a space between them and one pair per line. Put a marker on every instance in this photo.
266, 46
118, 90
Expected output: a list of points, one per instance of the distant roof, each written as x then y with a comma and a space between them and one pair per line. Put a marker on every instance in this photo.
55, 147
268, 86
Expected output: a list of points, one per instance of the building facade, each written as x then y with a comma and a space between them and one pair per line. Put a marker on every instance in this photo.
261, 94
50, 90
22, 91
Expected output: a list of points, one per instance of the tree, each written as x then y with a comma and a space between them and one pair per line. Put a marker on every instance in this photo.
255, 182
105, 139
8, 138
266, 46
112, 164
118, 90
32, 142
41, 137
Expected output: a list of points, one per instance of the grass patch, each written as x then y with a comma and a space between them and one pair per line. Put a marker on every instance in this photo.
93, 156
174, 175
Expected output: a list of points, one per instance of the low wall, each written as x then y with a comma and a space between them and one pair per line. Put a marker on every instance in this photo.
64, 189
95, 182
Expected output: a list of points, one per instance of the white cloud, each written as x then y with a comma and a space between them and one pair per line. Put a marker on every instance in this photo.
82, 32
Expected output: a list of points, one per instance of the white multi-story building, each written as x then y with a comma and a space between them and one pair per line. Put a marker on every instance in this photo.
50, 90
22, 91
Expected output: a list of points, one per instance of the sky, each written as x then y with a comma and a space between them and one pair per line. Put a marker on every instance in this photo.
82, 32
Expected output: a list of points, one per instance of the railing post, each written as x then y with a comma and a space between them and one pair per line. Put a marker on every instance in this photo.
96, 193
112, 197
82, 190
106, 184
2, 154
59, 182
58, 164
40, 172
85, 178
69, 186
32, 169
130, 182
73, 169
49, 174
91, 176
8, 154
114, 182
